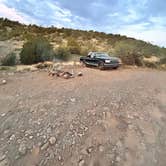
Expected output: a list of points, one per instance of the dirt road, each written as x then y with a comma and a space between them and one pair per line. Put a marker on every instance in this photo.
105, 118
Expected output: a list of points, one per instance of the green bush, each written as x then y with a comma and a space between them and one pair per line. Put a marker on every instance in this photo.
9, 60
163, 60
73, 46
36, 50
129, 53
62, 53
152, 65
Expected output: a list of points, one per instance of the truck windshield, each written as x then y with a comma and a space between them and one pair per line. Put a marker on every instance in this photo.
102, 55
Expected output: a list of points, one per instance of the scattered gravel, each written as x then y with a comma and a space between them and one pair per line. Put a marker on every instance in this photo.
101, 118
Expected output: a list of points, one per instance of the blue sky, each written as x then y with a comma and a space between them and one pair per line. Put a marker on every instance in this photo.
145, 19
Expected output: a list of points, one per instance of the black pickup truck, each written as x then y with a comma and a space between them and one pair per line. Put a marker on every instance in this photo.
100, 60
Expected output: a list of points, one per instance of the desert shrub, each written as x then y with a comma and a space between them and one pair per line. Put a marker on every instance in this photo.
73, 46
129, 52
153, 65
36, 50
163, 60
9, 60
62, 53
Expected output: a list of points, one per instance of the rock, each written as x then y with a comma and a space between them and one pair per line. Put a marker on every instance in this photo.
45, 146
10, 74
22, 149
118, 159
130, 116
28, 132
119, 144
101, 148
3, 114
85, 128
89, 150
67, 75
106, 109
4, 162
52, 140
49, 130
17, 157
59, 158
130, 127
4, 82
71, 127
12, 137
73, 100
80, 135
81, 163
2, 156
38, 134
79, 74
6, 131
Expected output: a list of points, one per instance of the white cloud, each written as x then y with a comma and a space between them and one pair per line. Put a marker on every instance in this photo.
132, 16
13, 14
158, 20
155, 34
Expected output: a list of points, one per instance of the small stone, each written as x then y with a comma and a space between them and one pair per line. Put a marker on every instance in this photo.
4, 162
79, 74
3, 114
52, 140
130, 116
119, 144
89, 150
28, 132
117, 158
12, 137
4, 81
59, 158
66, 76
49, 130
85, 128
80, 135
10, 74
17, 95
81, 163
19, 141
17, 157
6, 131
38, 123
106, 109
71, 127
22, 149
38, 134
73, 100
101, 148
31, 136
2, 156
39, 144
130, 127
45, 146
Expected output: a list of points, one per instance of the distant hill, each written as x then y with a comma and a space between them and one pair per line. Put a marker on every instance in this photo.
13, 34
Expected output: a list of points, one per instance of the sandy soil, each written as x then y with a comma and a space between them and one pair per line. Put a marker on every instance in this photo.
104, 118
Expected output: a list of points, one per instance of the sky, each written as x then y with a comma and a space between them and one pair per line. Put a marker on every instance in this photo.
141, 19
